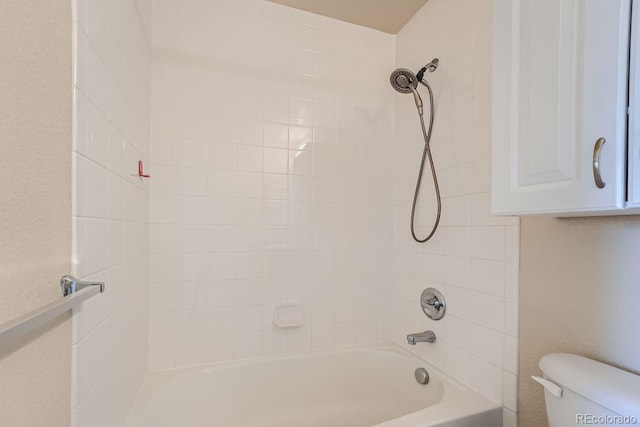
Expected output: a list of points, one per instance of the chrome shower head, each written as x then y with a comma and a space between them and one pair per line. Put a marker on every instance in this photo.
403, 80
431, 67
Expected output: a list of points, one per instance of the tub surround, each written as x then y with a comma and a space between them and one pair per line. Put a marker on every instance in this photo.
473, 257
272, 137
281, 167
282, 173
111, 91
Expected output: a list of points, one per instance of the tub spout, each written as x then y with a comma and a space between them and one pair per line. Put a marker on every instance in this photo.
427, 336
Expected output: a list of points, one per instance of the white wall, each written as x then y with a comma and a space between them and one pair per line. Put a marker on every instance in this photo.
271, 151
110, 206
581, 262
35, 207
473, 258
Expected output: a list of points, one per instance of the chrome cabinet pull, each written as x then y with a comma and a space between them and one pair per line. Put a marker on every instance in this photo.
596, 163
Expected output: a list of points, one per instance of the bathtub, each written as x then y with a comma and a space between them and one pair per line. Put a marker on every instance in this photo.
359, 387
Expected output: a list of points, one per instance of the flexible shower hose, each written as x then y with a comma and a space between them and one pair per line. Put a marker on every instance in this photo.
426, 153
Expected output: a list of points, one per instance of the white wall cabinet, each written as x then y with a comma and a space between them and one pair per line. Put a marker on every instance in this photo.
561, 83
633, 187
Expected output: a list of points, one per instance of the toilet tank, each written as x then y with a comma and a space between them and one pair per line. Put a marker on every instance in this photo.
589, 393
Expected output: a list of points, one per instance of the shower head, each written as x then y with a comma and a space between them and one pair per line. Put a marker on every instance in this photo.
431, 66
404, 81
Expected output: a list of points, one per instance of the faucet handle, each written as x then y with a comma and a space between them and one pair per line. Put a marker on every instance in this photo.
433, 303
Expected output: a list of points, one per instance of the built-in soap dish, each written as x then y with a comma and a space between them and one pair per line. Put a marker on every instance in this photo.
287, 315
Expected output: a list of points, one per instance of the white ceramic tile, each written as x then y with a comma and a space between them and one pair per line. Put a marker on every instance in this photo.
193, 210
247, 345
488, 243
274, 342
458, 301
276, 109
165, 297
220, 349
488, 345
161, 355
220, 321
162, 326
458, 333
220, 210
248, 185
494, 317
511, 317
248, 318
191, 153
510, 391
512, 244
458, 272
486, 379
509, 418
220, 155
275, 135
249, 158
511, 354
488, 276
192, 181
512, 281
220, 183
275, 186
299, 340
322, 336
456, 362
275, 160
345, 334
190, 352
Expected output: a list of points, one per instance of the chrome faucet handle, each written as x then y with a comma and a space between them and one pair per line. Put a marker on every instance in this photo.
433, 303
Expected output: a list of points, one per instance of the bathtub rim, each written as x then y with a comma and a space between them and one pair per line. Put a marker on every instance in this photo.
455, 392
166, 375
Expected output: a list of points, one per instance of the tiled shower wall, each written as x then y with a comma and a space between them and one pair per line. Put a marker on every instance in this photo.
473, 258
271, 168
112, 60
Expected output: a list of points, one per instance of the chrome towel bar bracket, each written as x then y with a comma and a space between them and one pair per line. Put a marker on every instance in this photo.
70, 285
74, 292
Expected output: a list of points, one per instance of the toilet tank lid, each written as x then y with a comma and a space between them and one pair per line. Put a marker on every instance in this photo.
604, 384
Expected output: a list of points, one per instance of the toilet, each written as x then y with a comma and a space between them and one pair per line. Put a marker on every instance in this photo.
581, 391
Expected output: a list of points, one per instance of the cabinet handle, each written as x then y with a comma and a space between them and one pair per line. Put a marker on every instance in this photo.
596, 163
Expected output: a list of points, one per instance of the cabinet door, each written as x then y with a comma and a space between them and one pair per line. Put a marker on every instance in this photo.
633, 178
560, 73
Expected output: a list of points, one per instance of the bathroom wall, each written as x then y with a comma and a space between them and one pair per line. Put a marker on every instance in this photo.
579, 289
35, 207
111, 90
473, 257
271, 181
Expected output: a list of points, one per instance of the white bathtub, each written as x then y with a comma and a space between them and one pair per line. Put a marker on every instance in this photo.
361, 387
